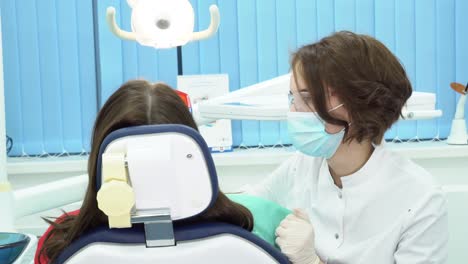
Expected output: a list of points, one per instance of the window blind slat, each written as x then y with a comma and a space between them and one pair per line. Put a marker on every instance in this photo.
229, 55
11, 68
267, 47
404, 47
50, 80
29, 83
248, 61
87, 72
69, 72
426, 59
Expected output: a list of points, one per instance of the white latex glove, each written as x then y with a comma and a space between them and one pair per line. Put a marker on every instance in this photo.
295, 236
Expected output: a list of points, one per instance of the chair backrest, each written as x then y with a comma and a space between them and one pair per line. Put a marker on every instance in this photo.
152, 181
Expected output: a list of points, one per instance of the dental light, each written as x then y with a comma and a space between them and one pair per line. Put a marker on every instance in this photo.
163, 23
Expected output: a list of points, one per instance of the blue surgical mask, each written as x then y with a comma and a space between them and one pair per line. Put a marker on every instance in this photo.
308, 134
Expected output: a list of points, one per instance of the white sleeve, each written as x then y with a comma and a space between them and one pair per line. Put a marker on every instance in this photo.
425, 238
277, 185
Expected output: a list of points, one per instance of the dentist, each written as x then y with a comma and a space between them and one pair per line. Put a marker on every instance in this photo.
360, 203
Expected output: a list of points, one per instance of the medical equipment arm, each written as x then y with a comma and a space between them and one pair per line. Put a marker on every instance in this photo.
295, 237
268, 101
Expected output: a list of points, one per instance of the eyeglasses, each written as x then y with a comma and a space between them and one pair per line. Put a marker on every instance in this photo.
290, 98
302, 101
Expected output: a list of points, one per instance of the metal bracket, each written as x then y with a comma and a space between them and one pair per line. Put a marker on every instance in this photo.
159, 231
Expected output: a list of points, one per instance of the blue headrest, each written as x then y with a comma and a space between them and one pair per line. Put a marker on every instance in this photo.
157, 129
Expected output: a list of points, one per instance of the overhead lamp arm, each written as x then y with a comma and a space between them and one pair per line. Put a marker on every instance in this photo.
212, 28
114, 28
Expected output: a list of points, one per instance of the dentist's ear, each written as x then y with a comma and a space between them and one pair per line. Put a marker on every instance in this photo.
132, 3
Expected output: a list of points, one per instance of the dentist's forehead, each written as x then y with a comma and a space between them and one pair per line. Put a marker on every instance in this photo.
297, 83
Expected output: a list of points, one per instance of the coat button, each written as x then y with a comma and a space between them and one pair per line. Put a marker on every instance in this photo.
340, 195
337, 236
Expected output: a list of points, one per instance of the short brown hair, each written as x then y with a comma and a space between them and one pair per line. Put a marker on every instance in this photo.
365, 75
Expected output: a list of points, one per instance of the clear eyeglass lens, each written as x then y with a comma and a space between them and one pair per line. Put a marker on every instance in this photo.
290, 99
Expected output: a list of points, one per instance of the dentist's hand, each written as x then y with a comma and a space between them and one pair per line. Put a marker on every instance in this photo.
295, 237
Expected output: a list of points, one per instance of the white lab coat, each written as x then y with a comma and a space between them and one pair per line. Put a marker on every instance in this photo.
390, 211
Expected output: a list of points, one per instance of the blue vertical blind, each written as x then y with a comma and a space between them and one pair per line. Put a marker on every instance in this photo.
256, 39
49, 75
49, 63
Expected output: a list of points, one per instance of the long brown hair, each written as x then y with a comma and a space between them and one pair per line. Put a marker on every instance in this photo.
367, 78
134, 103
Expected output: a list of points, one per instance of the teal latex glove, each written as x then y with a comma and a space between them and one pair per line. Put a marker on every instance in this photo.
267, 215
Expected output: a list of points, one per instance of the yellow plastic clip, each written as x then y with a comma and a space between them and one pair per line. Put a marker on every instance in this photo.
115, 197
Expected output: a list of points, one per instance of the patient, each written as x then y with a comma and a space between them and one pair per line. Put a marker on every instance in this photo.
142, 103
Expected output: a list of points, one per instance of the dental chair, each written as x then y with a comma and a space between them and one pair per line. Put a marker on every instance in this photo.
152, 181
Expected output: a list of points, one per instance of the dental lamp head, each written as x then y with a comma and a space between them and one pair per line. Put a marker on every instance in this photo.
163, 23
